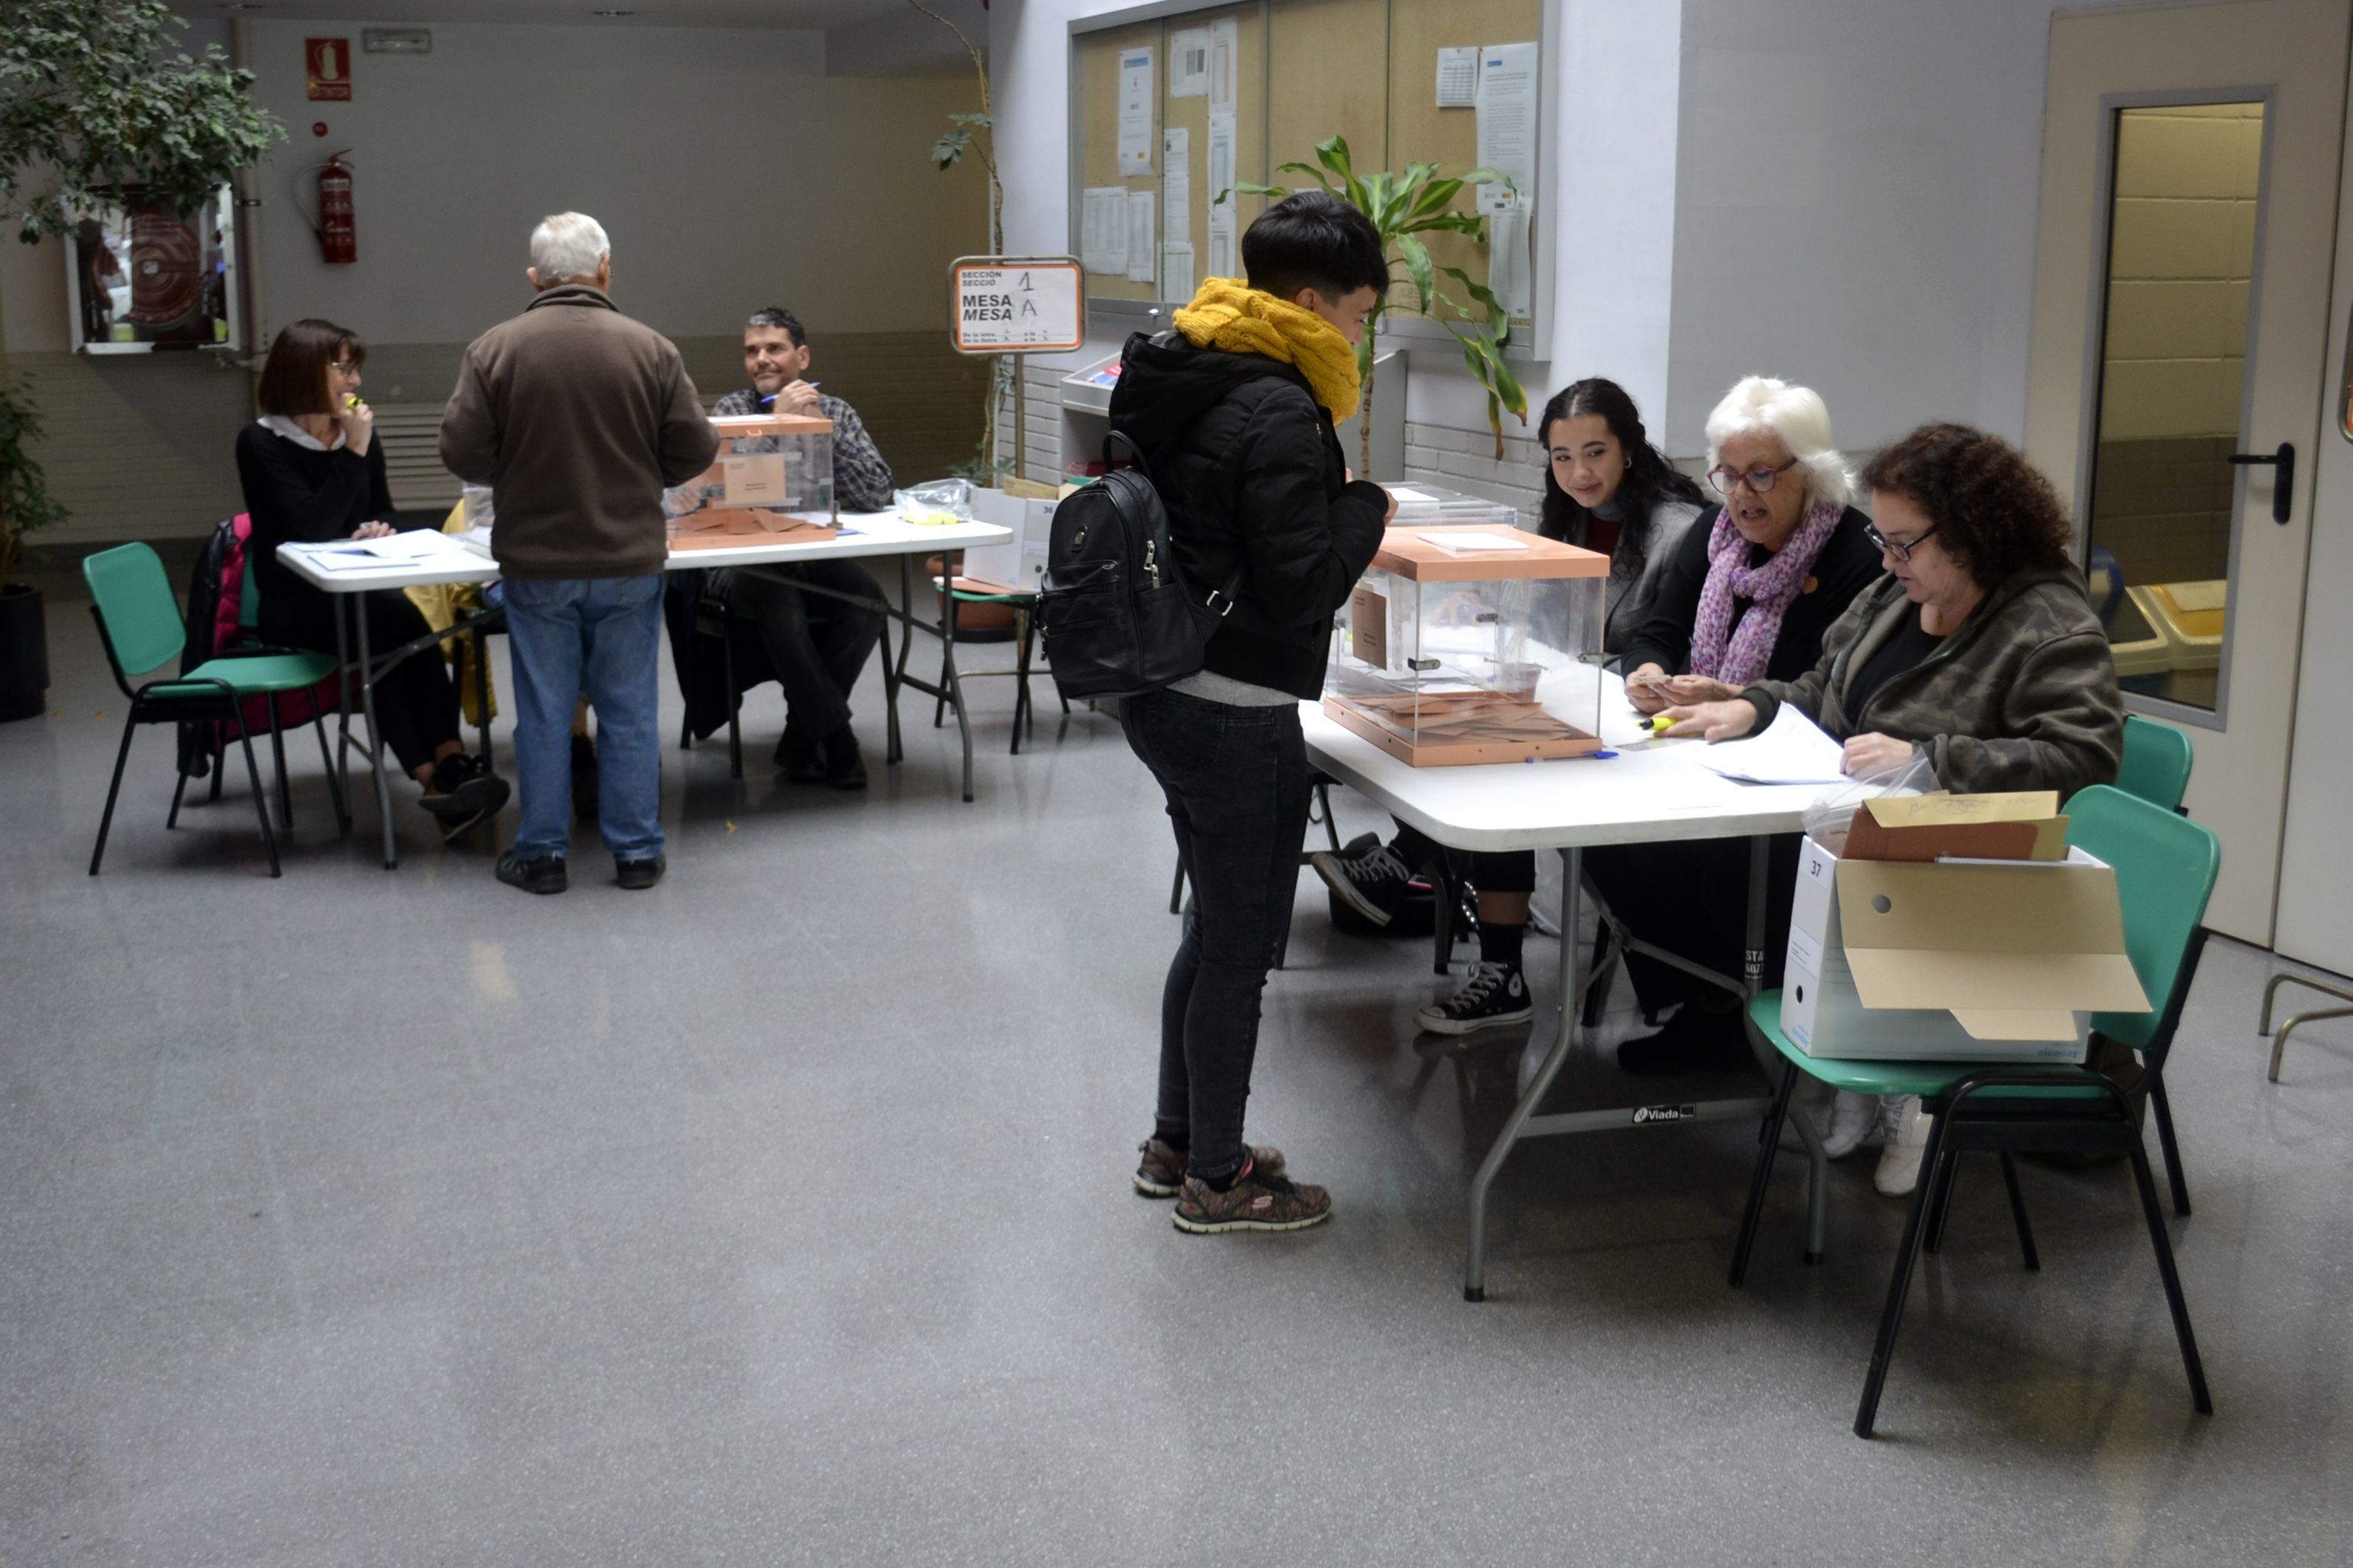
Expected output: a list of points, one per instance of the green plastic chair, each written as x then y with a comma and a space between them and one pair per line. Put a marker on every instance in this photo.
2166, 867
139, 626
2158, 759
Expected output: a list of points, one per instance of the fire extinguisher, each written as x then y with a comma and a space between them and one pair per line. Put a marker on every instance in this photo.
338, 241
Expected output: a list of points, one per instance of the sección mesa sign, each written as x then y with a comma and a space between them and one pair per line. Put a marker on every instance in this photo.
1016, 304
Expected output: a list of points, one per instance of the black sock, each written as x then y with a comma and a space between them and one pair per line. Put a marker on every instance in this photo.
1181, 1140
1225, 1183
1500, 943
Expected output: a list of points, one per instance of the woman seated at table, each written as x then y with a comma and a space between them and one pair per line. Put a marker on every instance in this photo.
1979, 651
1605, 488
313, 472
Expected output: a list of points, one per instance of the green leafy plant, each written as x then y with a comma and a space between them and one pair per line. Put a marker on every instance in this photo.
977, 134
1403, 208
25, 504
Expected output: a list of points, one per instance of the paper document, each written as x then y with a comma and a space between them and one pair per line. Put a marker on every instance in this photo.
1188, 63
1176, 273
1221, 170
1139, 237
1507, 120
1463, 542
1510, 268
1458, 78
1177, 188
1136, 103
1225, 49
1103, 229
1792, 750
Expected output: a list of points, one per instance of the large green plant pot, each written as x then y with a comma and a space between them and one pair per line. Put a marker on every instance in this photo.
23, 652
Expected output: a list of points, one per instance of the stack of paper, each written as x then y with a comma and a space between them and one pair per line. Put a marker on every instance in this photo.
1791, 751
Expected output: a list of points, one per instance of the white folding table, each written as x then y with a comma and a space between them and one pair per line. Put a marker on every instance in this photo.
877, 534
1645, 793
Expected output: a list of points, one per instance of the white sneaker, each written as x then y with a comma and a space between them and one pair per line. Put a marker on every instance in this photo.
1905, 1127
1853, 1118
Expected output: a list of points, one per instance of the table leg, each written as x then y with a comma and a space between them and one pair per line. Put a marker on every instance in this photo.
951, 687
342, 702
483, 685
894, 671
1760, 859
374, 736
1474, 1268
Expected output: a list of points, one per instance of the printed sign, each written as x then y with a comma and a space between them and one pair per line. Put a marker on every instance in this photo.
756, 478
1016, 304
328, 63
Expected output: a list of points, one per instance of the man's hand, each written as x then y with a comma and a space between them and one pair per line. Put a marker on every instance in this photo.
1873, 753
796, 397
1715, 721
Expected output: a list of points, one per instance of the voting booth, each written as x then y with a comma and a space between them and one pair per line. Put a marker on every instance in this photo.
774, 475
1470, 641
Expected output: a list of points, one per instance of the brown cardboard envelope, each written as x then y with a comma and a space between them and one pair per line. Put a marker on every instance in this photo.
2012, 951
2023, 825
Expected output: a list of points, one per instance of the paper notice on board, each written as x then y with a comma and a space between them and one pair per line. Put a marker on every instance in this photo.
1507, 122
1136, 99
1176, 187
1221, 253
1225, 50
1510, 269
1103, 229
1221, 170
1458, 78
1139, 237
1176, 273
1188, 63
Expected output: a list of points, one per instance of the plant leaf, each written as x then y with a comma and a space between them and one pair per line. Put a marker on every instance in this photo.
1416, 260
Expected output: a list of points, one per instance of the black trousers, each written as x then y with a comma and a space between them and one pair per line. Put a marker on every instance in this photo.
416, 701
1491, 871
1236, 783
1691, 898
817, 645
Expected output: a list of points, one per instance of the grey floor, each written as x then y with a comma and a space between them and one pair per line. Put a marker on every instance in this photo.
781, 1215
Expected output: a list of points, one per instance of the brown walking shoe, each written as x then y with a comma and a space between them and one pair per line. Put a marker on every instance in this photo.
1259, 1201
1162, 1170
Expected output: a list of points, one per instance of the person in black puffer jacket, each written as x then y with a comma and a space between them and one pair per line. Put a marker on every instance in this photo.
1234, 413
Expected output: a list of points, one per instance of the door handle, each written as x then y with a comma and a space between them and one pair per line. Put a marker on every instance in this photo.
2282, 482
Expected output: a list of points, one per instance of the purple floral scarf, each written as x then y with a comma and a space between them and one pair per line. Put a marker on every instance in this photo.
1769, 587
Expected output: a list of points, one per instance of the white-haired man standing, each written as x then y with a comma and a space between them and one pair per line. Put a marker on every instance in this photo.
578, 418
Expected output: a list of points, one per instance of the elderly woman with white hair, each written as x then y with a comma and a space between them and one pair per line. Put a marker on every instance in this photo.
1751, 591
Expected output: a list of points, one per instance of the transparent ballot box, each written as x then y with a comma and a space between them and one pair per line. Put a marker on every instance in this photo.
1473, 643
774, 475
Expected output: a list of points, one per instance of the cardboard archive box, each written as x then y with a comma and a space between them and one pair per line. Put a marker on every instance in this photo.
1020, 561
1959, 959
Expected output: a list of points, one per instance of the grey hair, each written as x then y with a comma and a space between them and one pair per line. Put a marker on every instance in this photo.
1795, 416
566, 248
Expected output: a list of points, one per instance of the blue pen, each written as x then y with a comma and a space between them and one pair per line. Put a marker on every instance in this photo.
772, 396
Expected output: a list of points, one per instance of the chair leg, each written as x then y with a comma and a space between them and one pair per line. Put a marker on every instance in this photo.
1444, 898
114, 787
1598, 974
335, 781
2017, 1212
2165, 1139
1768, 1141
1021, 709
1942, 1181
2199, 1397
1908, 1254
685, 733
734, 712
277, 755
1323, 803
1176, 889
481, 662
260, 801
178, 789
220, 756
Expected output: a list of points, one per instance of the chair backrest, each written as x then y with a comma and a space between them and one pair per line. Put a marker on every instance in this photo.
2166, 865
134, 602
2157, 761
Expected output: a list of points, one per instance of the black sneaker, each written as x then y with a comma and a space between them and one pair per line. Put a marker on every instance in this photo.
845, 766
543, 875
464, 788
584, 779
1495, 996
636, 875
1370, 881
1693, 1040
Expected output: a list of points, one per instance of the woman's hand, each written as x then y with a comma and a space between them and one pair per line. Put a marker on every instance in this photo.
373, 531
1688, 690
1875, 754
358, 421
1646, 688
1713, 721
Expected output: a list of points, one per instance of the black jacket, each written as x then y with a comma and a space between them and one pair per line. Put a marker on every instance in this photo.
297, 496
1847, 565
1257, 494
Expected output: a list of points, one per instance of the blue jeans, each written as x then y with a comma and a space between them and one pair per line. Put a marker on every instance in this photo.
600, 636
1236, 783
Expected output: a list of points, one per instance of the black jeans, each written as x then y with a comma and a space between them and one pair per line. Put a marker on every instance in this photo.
1236, 781
1690, 896
417, 700
1490, 870
818, 644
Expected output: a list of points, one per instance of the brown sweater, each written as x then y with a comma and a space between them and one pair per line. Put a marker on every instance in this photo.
578, 418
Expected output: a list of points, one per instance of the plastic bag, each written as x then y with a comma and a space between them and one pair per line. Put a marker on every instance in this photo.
936, 503
1827, 819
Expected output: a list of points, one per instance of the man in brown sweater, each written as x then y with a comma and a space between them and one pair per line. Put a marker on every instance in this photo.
578, 418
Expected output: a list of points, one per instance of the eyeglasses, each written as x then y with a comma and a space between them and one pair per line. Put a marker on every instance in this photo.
1887, 546
1726, 479
344, 367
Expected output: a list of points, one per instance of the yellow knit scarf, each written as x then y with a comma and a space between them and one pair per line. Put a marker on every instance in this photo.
1228, 315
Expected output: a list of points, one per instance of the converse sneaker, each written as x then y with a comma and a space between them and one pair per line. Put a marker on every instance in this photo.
1162, 1170
1853, 1118
1371, 881
1259, 1201
1495, 996
1905, 1127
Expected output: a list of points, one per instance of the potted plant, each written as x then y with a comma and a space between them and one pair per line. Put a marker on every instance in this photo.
93, 100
